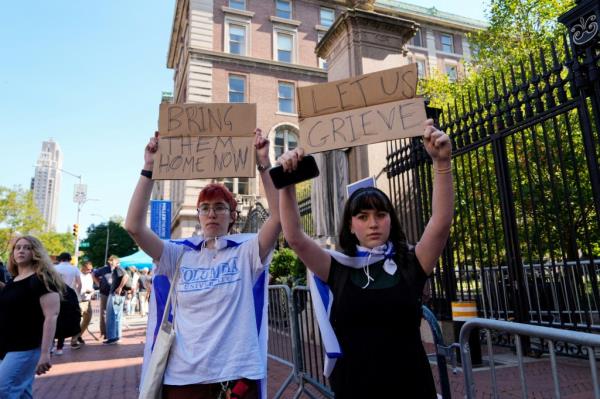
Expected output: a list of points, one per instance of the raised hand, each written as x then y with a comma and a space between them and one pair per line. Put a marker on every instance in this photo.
437, 143
150, 151
289, 160
261, 144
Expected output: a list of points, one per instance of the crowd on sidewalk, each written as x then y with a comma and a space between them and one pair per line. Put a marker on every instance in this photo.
49, 302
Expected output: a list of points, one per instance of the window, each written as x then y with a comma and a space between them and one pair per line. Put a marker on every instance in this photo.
417, 40
237, 89
326, 16
283, 9
237, 185
237, 4
285, 95
447, 42
285, 44
421, 69
451, 72
237, 39
243, 185
285, 139
322, 62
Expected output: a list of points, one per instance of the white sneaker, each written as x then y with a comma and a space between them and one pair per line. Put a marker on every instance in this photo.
58, 352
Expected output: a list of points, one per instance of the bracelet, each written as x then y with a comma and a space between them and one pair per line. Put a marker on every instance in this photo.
146, 173
262, 168
443, 171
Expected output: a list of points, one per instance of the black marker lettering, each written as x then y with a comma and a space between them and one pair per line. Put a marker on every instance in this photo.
341, 96
362, 92
395, 87
310, 132
407, 89
335, 130
174, 113
364, 125
314, 103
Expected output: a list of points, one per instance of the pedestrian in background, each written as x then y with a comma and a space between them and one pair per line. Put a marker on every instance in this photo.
85, 302
114, 306
376, 282
4, 274
71, 277
145, 282
29, 307
103, 278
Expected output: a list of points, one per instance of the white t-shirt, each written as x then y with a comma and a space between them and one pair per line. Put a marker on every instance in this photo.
70, 275
87, 284
216, 318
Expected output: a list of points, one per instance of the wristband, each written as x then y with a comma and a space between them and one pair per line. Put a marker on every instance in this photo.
146, 173
262, 168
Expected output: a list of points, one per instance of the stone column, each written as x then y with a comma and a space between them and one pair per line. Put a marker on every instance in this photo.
360, 41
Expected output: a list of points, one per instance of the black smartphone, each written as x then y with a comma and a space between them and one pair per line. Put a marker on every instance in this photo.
307, 169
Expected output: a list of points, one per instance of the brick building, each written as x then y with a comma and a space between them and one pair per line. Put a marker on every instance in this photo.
259, 51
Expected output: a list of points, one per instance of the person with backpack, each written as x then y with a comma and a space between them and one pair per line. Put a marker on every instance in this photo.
372, 336
29, 308
72, 278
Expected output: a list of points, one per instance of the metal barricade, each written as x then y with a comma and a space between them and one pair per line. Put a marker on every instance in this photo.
282, 332
442, 351
587, 340
311, 352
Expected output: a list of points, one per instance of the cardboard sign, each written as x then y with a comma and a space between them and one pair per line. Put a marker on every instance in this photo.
188, 157
207, 119
368, 125
358, 92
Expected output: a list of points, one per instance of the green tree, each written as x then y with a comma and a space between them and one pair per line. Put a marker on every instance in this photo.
119, 241
549, 178
56, 243
18, 215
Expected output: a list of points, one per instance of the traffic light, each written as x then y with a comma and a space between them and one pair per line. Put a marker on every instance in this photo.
75, 229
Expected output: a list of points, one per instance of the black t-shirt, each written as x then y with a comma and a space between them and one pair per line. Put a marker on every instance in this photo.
378, 328
117, 276
144, 279
21, 316
104, 274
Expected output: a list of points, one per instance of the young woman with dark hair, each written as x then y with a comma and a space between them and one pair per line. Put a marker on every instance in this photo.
372, 337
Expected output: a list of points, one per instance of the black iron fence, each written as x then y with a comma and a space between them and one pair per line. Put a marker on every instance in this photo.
525, 242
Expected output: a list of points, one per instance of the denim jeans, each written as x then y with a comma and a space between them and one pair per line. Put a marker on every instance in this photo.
114, 313
17, 371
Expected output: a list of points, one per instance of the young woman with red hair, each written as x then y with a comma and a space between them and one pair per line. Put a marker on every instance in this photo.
220, 316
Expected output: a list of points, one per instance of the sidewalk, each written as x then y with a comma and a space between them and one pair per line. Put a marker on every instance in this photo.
113, 371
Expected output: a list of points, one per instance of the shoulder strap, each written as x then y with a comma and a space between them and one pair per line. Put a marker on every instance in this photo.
172, 298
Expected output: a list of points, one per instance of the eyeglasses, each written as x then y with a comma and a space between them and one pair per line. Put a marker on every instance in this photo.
218, 209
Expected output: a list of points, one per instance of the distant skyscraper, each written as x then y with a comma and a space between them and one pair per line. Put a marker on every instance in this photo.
46, 182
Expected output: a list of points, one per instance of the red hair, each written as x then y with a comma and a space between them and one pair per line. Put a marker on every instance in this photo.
216, 191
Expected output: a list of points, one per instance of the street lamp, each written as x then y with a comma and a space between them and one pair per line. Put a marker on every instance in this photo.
107, 237
80, 198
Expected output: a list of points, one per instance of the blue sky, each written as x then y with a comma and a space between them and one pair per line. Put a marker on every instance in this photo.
90, 76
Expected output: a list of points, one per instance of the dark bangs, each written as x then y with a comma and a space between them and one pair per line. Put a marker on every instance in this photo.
369, 199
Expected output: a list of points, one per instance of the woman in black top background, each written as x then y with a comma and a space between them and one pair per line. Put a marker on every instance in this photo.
29, 307
376, 317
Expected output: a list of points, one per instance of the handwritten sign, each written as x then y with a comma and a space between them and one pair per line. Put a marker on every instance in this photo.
205, 140
358, 92
197, 157
361, 126
207, 119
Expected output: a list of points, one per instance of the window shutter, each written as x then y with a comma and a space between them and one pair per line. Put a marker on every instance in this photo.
438, 41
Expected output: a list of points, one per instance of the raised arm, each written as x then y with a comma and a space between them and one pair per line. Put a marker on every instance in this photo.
135, 222
269, 232
311, 254
432, 242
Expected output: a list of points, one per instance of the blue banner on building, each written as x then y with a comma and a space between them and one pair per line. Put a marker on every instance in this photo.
160, 218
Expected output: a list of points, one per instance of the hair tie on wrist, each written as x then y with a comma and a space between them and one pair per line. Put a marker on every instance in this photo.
146, 173
443, 171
